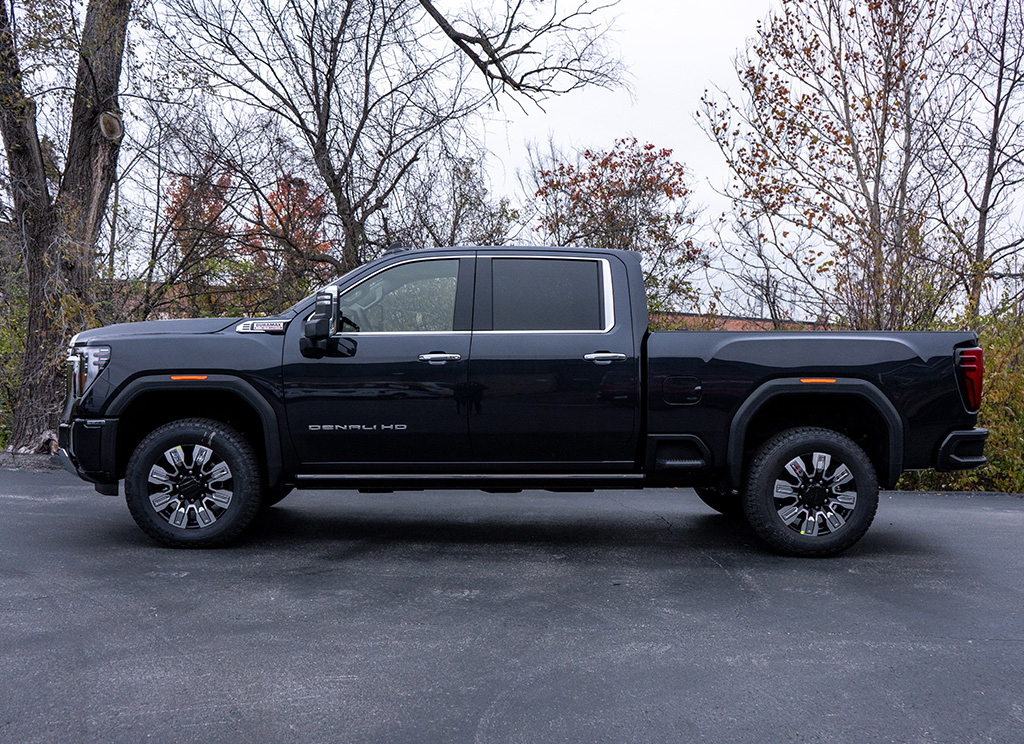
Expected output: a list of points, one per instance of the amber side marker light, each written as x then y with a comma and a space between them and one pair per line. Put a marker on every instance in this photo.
817, 380
178, 378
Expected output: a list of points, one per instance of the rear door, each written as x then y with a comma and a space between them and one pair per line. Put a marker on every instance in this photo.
554, 374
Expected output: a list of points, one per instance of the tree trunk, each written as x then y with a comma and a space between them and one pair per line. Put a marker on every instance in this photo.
58, 237
979, 269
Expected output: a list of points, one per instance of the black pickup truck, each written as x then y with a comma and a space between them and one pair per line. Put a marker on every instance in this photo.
508, 368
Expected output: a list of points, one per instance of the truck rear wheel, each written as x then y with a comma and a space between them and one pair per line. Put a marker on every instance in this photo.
810, 492
193, 483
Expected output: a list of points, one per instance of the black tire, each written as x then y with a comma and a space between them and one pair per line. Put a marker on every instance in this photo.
193, 483
810, 492
273, 496
723, 502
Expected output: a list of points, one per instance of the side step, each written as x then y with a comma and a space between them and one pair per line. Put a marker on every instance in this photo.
677, 452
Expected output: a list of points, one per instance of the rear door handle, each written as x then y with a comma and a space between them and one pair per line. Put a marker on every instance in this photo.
604, 357
439, 357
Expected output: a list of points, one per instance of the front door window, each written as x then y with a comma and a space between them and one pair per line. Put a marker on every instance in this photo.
416, 297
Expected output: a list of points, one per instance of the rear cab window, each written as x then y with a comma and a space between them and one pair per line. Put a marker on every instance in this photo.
546, 294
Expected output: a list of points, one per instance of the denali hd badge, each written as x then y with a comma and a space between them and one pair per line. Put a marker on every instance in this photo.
357, 427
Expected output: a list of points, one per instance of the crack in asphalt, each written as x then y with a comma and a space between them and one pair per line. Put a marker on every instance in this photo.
668, 525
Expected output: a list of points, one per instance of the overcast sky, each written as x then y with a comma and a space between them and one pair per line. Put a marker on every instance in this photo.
674, 49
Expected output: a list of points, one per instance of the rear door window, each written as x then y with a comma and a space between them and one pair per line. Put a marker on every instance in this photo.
548, 294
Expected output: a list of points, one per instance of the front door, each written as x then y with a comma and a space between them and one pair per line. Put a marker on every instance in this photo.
390, 387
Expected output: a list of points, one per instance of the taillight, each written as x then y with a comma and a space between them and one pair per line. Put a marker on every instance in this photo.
971, 364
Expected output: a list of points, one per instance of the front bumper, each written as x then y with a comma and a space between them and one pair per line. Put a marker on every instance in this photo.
962, 450
88, 447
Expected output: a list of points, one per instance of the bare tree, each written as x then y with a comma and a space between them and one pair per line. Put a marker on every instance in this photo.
827, 141
209, 233
750, 249
534, 47
979, 140
361, 85
367, 85
56, 232
446, 201
632, 196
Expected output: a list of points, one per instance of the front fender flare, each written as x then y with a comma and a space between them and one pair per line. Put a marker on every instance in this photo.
227, 383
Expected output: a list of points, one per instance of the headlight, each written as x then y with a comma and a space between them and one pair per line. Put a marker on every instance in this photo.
84, 365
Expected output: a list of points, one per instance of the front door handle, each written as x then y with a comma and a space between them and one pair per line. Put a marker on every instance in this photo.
439, 357
605, 357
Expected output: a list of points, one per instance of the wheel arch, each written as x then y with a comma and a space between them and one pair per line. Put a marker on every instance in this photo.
149, 402
868, 413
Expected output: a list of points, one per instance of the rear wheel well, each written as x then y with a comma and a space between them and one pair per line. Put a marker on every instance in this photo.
156, 408
851, 415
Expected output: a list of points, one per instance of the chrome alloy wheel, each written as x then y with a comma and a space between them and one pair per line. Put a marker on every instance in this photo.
190, 487
815, 500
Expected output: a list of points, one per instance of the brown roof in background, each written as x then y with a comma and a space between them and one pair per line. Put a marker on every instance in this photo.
697, 322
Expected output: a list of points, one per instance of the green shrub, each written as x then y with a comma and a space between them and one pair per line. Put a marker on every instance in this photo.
12, 344
1002, 337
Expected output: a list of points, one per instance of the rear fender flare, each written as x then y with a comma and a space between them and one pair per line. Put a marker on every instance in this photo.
843, 386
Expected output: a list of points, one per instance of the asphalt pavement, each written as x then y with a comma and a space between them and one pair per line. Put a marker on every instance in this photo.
624, 616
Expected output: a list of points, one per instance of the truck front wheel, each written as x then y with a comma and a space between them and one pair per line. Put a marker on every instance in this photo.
193, 483
810, 492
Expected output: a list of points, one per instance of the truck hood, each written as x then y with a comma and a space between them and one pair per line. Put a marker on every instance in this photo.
182, 327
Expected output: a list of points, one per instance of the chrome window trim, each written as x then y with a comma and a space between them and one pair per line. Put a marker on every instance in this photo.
606, 286
402, 333
608, 297
544, 333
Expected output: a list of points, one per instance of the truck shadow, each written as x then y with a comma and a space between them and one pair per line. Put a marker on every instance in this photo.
304, 527
684, 527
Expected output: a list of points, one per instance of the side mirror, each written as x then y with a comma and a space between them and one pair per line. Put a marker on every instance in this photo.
322, 324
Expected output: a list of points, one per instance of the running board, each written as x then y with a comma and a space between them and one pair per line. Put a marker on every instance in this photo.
471, 481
